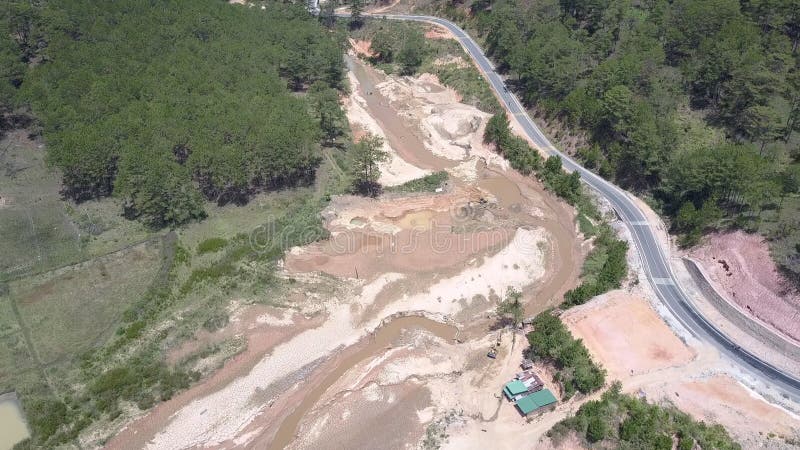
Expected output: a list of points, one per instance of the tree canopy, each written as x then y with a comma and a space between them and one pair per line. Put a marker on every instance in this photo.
687, 101
166, 103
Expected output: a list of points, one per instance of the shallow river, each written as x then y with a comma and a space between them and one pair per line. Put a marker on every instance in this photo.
12, 425
376, 344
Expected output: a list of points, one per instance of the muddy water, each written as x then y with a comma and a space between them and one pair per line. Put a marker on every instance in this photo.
401, 137
505, 190
375, 345
12, 425
515, 193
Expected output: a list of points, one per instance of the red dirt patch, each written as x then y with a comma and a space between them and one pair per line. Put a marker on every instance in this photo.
438, 33
260, 341
362, 48
606, 325
740, 265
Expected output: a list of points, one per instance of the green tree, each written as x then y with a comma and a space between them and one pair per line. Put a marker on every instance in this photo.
496, 130
411, 52
325, 100
596, 429
356, 11
367, 154
382, 45
512, 307
327, 14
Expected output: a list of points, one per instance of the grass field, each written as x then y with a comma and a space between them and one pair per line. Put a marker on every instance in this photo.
38, 231
73, 309
90, 303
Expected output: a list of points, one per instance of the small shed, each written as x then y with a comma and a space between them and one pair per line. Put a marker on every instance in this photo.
514, 388
535, 401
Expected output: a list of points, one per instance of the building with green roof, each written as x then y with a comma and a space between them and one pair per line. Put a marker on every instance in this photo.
514, 388
535, 401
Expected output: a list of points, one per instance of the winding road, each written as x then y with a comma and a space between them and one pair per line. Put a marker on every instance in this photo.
653, 256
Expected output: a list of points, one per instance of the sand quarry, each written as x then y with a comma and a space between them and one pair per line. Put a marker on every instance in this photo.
389, 321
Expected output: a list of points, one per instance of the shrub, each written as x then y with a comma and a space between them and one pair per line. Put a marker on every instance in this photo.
550, 340
428, 183
211, 245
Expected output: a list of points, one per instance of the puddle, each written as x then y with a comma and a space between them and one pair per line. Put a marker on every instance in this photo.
358, 221
416, 220
376, 344
13, 428
506, 191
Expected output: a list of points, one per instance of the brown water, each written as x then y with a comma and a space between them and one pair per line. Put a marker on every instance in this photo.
12, 424
506, 191
373, 345
402, 137
513, 191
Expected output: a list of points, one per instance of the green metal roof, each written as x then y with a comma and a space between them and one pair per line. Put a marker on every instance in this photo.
535, 401
516, 387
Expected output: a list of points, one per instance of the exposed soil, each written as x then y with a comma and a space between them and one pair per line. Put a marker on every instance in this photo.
261, 339
621, 330
721, 399
606, 325
740, 264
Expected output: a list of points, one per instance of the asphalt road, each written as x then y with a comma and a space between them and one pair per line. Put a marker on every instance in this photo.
654, 259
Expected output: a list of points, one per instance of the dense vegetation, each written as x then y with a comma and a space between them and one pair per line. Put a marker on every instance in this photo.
604, 269
694, 104
622, 421
366, 155
428, 183
551, 341
167, 103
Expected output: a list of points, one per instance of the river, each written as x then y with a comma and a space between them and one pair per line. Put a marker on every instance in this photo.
376, 344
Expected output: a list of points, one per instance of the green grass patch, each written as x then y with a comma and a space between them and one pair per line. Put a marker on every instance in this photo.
428, 183
604, 268
585, 225
74, 309
211, 245
468, 82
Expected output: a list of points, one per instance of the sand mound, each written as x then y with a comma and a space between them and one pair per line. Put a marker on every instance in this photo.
740, 264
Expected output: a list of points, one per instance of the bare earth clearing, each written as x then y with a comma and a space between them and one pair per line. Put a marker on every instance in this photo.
741, 266
622, 330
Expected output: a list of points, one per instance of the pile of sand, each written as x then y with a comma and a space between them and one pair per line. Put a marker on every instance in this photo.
740, 264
